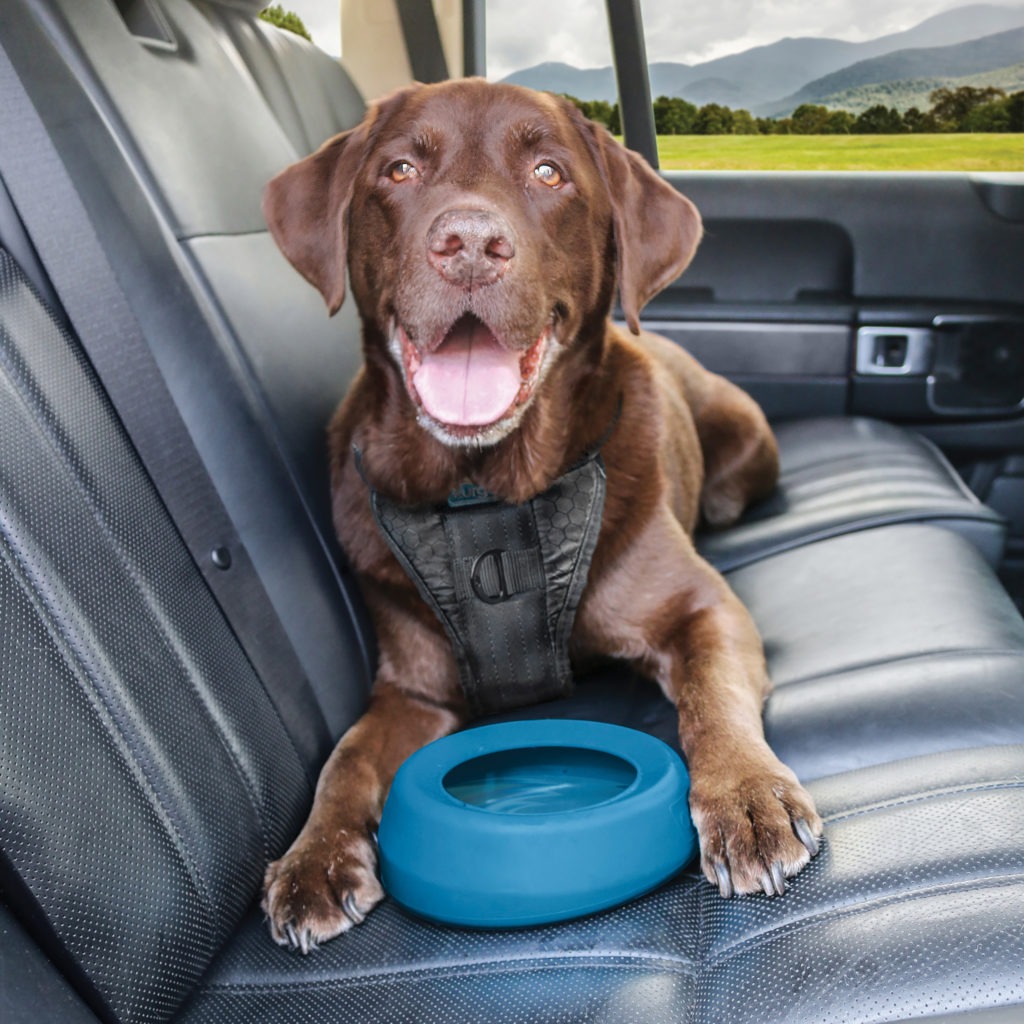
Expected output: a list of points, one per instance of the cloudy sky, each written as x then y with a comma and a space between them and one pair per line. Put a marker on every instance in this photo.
526, 32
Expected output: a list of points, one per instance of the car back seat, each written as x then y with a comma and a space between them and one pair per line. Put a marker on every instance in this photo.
134, 851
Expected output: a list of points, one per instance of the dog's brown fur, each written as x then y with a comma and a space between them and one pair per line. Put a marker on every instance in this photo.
687, 444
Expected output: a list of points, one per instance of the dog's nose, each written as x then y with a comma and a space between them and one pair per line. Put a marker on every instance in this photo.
470, 247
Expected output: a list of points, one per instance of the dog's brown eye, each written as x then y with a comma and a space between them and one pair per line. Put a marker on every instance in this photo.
402, 170
548, 174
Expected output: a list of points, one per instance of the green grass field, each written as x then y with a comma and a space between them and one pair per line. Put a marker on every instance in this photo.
954, 152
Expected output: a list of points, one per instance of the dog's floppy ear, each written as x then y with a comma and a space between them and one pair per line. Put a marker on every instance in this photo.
306, 209
657, 230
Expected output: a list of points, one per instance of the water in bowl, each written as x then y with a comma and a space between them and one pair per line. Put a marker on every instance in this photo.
540, 780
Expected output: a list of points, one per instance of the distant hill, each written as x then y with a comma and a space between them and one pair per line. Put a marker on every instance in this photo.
714, 90
990, 53
767, 71
553, 76
915, 92
784, 68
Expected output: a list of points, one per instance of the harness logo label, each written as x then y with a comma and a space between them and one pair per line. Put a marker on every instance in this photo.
471, 494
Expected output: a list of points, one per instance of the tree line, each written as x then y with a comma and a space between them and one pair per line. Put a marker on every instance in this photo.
964, 109
277, 15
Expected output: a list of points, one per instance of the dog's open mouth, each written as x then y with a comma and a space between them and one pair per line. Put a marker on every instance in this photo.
471, 379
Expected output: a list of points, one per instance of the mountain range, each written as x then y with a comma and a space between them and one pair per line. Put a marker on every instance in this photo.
915, 92
771, 80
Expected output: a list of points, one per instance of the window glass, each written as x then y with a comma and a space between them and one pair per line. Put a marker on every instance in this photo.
562, 47
792, 85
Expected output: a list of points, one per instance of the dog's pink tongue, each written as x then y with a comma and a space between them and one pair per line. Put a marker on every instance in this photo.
471, 379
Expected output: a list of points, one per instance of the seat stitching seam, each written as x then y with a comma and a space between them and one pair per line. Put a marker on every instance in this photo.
864, 906
588, 960
896, 454
731, 561
943, 653
921, 798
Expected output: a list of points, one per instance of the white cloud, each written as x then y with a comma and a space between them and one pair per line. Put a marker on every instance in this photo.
521, 33
526, 32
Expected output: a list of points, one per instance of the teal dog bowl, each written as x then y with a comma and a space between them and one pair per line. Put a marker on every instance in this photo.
531, 822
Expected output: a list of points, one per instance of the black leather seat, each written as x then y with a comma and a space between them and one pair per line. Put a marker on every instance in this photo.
883, 644
848, 473
146, 777
310, 94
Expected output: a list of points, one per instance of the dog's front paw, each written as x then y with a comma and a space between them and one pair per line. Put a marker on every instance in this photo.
757, 827
320, 888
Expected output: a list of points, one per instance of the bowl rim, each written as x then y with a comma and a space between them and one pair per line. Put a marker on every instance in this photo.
418, 832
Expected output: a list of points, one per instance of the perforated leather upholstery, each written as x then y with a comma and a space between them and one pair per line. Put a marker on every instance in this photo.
903, 910
145, 773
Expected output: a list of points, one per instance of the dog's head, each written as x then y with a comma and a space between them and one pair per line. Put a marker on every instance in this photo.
483, 228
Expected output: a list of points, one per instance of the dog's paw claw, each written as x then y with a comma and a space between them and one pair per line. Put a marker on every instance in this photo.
724, 880
316, 892
775, 884
806, 836
351, 908
756, 830
299, 940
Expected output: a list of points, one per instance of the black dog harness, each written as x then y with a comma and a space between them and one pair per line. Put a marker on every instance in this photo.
505, 580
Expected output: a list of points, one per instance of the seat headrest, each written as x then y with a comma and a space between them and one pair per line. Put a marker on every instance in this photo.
251, 6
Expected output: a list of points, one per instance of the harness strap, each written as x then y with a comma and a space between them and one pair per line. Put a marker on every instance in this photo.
504, 580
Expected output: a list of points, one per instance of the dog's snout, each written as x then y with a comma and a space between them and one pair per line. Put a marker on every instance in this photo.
470, 247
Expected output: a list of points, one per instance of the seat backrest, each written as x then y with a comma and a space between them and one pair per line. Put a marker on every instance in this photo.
309, 92
145, 777
170, 138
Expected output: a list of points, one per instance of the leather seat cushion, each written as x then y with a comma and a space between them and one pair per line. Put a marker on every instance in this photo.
875, 928
882, 645
847, 473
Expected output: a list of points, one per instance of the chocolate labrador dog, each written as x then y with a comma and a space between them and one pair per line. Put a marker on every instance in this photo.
484, 229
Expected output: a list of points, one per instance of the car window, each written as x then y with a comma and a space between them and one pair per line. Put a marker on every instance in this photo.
851, 85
